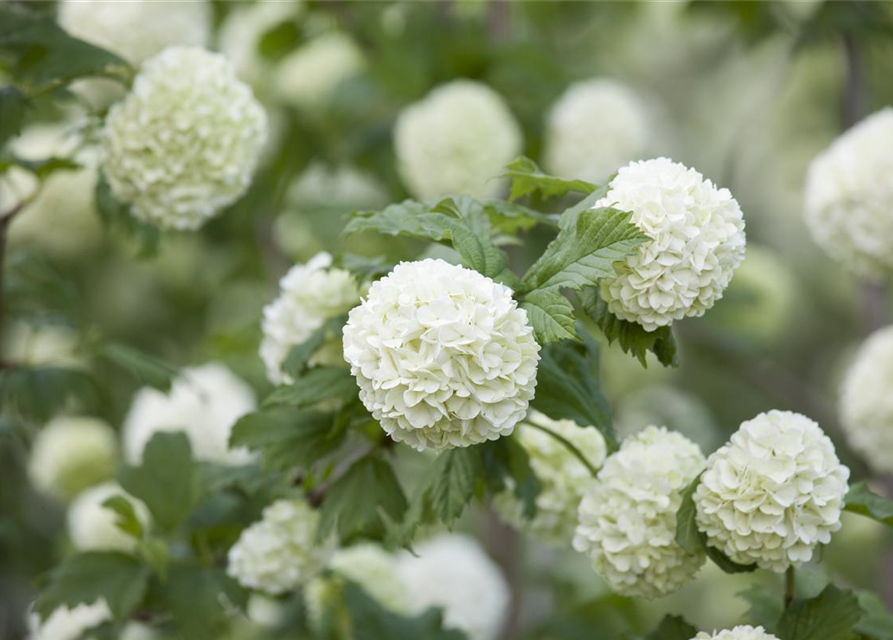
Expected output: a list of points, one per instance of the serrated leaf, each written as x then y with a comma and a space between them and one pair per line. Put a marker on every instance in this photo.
119, 578
454, 479
147, 369
371, 621
673, 628
510, 217
687, 535
829, 616
298, 358
550, 314
527, 178
200, 600
863, 501
287, 438
316, 385
125, 515
506, 463
13, 106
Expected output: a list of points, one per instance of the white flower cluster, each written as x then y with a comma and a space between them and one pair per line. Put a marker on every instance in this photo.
564, 478
697, 242
443, 355
628, 518
866, 402
71, 454
244, 28
456, 141
185, 141
204, 402
69, 623
279, 552
137, 29
310, 295
773, 493
849, 191
307, 77
745, 632
594, 128
454, 573
91, 526
323, 187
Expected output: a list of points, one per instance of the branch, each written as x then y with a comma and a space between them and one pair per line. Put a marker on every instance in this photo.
569, 445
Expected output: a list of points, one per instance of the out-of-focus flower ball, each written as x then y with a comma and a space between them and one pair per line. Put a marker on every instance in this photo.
72, 453
866, 401
307, 77
443, 355
336, 187
453, 572
849, 197
594, 128
697, 242
203, 402
69, 623
773, 493
185, 141
628, 518
745, 632
43, 345
279, 552
91, 526
310, 295
456, 141
563, 477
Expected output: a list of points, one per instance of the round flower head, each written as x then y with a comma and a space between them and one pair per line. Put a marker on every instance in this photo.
340, 188
310, 294
849, 197
91, 526
595, 127
697, 241
453, 572
71, 454
204, 402
745, 632
564, 478
866, 403
279, 552
628, 518
69, 623
773, 493
443, 355
456, 141
185, 141
137, 29
307, 77
244, 29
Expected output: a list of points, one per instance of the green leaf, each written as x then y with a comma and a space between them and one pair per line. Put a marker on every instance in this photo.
298, 358
725, 563
510, 217
126, 519
673, 628
117, 215
687, 535
147, 369
527, 178
863, 501
371, 621
155, 553
199, 599
830, 616
506, 463
455, 475
13, 105
41, 392
550, 314
321, 383
166, 480
632, 337
117, 577
766, 605
287, 438
354, 503
877, 622
40, 168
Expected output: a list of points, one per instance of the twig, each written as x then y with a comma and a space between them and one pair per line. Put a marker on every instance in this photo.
790, 586
569, 445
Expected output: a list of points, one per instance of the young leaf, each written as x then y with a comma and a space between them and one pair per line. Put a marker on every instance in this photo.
371, 621
550, 314
126, 519
830, 616
147, 369
862, 500
320, 383
673, 628
298, 357
527, 178
287, 438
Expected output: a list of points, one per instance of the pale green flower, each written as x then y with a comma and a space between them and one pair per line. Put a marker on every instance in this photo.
745, 632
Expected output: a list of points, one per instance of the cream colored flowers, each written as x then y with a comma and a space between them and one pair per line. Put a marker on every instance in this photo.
279, 552
563, 477
773, 493
849, 191
69, 623
443, 355
307, 77
866, 402
594, 128
310, 294
91, 526
456, 141
628, 518
697, 242
185, 141
744, 632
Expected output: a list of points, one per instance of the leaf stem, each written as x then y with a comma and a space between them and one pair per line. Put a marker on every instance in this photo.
569, 445
790, 583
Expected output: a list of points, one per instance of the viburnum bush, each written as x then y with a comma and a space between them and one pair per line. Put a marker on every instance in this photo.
411, 436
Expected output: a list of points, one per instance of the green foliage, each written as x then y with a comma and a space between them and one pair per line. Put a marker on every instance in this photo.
40, 392
13, 107
147, 369
118, 215
862, 500
199, 598
877, 621
316, 385
550, 314
673, 628
371, 621
506, 464
298, 358
125, 515
829, 616
528, 179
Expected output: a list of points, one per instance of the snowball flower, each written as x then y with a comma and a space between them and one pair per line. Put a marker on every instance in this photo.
564, 478
773, 493
91, 526
443, 355
185, 141
244, 29
696, 242
745, 632
456, 141
849, 191
594, 128
71, 454
307, 77
137, 29
628, 518
279, 552
43, 345
310, 294
866, 402
341, 187
453, 572
69, 623
203, 402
